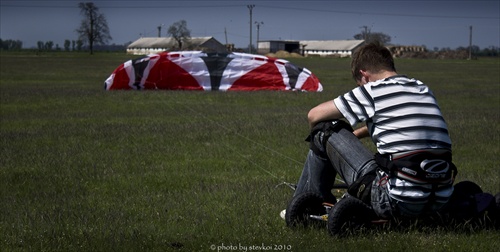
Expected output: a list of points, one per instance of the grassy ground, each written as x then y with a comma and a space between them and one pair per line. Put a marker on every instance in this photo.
83, 169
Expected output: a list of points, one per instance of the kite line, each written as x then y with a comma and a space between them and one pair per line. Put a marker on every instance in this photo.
239, 135
247, 139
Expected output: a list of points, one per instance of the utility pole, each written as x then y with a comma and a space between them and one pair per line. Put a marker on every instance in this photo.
159, 30
225, 34
258, 28
470, 42
365, 35
250, 7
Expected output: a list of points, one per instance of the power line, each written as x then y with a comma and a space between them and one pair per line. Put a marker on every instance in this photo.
37, 6
122, 6
374, 13
406, 14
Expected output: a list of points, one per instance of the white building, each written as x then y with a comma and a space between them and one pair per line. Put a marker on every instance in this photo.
324, 48
145, 46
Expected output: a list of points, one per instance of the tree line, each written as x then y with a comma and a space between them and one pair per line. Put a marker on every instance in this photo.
69, 45
181, 34
47, 46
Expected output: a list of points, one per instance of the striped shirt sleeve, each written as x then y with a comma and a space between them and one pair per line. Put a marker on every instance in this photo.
356, 106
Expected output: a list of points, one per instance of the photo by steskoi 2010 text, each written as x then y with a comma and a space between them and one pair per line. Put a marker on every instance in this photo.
250, 247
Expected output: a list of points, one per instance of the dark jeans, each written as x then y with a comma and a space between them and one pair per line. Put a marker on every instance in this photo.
346, 156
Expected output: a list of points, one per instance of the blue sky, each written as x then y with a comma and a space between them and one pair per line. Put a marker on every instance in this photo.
430, 23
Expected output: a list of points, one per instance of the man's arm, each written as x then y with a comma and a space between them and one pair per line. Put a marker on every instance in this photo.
329, 111
323, 112
361, 132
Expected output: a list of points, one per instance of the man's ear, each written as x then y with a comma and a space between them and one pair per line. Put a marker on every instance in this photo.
364, 72
364, 76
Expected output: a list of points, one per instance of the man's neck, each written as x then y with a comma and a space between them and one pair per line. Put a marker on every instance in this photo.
381, 75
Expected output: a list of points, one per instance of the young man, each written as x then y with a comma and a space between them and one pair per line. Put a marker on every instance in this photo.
412, 173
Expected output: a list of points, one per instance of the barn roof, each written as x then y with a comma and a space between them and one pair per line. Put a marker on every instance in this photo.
163, 42
330, 45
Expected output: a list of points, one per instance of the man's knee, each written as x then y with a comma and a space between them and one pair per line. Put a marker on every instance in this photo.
322, 131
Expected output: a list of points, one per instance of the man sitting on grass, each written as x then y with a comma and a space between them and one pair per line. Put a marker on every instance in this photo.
412, 173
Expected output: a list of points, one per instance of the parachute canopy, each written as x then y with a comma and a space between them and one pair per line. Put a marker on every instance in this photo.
196, 70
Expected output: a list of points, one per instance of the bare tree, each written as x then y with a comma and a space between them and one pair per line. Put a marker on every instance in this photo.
48, 45
94, 27
67, 44
40, 45
179, 32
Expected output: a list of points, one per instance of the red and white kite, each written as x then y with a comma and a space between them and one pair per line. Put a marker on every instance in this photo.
196, 70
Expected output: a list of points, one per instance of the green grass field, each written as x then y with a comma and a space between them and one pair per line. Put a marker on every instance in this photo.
83, 169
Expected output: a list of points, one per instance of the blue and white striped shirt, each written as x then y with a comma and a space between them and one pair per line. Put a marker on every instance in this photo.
401, 114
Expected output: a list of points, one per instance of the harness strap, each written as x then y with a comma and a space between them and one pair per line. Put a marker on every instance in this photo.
421, 166
443, 153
